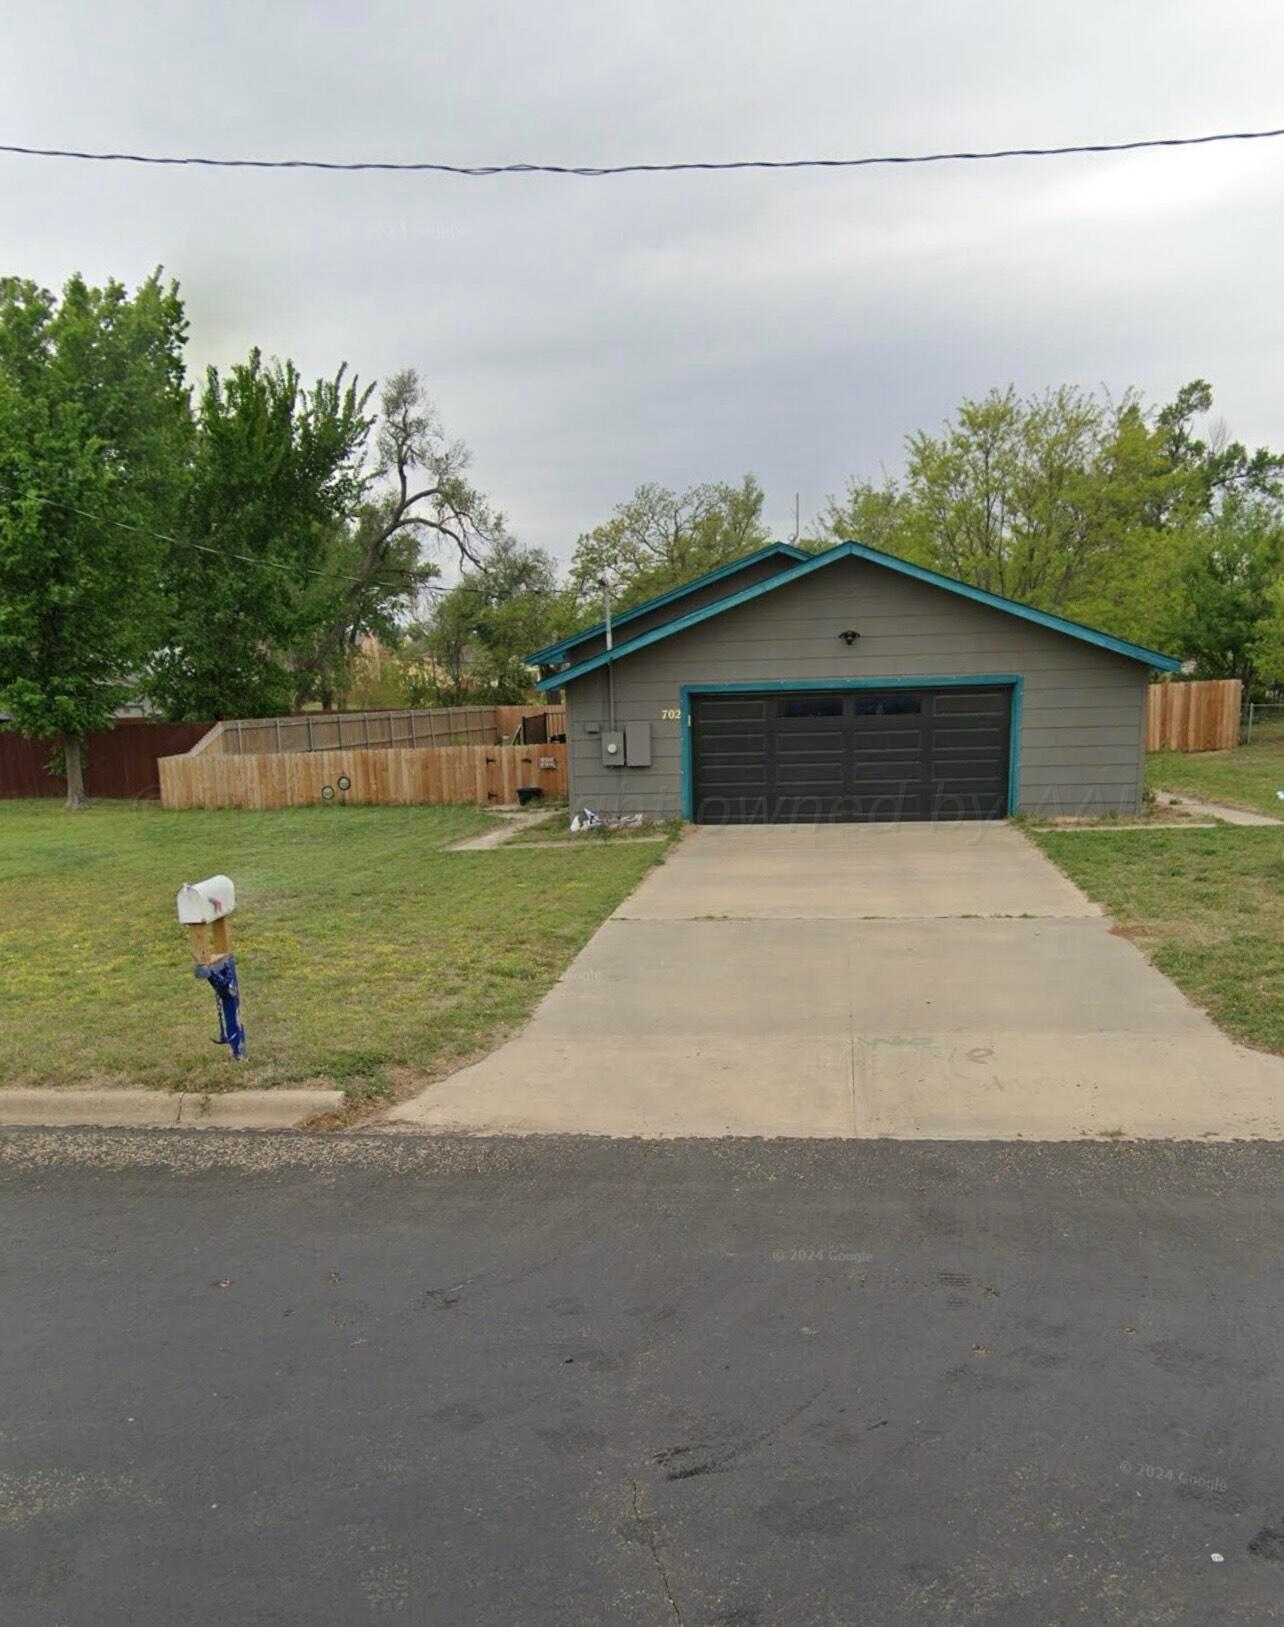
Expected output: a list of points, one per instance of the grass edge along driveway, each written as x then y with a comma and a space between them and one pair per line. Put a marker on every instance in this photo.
1207, 906
368, 958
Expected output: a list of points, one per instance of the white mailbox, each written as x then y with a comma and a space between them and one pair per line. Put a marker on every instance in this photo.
201, 902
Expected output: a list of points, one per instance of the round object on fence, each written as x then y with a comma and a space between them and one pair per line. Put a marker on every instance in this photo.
344, 783
327, 793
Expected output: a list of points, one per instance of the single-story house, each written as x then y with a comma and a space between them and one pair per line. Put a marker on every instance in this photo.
849, 685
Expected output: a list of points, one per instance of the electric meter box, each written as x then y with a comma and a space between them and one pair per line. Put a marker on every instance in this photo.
637, 745
612, 748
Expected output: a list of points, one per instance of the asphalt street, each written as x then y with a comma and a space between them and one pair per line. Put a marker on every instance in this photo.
278, 1378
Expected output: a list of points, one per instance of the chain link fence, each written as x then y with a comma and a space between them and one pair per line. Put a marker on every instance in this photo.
1262, 723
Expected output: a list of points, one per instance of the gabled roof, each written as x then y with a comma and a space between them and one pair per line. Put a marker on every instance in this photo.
874, 556
551, 652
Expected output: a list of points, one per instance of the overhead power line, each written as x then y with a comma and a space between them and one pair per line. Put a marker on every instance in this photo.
598, 170
249, 559
221, 553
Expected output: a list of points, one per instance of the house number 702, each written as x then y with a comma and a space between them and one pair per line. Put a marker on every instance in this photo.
671, 712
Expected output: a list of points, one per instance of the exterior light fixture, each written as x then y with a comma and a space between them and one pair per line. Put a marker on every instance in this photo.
849, 636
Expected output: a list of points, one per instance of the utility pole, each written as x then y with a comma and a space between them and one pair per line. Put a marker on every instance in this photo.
605, 585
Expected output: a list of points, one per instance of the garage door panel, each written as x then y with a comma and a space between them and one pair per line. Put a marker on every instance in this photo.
885, 779
714, 767
968, 751
739, 708
737, 775
811, 781
887, 739
886, 765
721, 736
967, 768
794, 743
792, 708
851, 755
944, 736
969, 703
968, 774
980, 791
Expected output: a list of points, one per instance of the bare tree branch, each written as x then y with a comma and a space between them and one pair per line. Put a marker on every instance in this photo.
409, 440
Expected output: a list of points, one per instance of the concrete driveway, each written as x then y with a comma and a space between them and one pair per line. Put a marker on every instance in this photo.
938, 981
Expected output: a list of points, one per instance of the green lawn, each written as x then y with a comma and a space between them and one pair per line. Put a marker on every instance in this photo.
367, 957
1206, 905
1246, 777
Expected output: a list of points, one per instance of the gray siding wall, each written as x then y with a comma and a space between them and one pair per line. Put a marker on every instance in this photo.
736, 582
1083, 717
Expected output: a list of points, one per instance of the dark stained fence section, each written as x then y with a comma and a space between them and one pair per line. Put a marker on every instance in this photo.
119, 762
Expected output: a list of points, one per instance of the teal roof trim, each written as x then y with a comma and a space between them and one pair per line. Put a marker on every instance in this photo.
551, 652
874, 556
1041, 618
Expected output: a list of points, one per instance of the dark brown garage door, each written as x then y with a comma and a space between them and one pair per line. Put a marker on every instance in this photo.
850, 755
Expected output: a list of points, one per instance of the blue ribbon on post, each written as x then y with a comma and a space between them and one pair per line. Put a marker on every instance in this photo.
222, 979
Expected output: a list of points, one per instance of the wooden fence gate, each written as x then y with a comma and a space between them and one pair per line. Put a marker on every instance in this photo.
1198, 716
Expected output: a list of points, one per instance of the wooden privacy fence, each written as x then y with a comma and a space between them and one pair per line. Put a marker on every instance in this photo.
119, 762
1198, 716
328, 731
530, 725
421, 726
485, 774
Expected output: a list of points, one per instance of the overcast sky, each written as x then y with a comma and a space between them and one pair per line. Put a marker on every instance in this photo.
586, 335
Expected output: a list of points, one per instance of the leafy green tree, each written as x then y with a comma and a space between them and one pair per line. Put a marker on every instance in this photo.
1224, 468
94, 428
1006, 497
1266, 649
475, 638
274, 474
658, 539
305, 527
1228, 618
1143, 509
1006, 494
882, 516
1092, 507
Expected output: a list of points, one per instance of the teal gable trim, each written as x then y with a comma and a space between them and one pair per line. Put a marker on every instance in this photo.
857, 550
553, 651
1042, 618
994, 680
691, 619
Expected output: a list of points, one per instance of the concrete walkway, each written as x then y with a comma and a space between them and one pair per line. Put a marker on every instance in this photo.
507, 825
1215, 810
941, 981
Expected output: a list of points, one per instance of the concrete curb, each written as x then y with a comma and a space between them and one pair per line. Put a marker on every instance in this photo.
238, 1110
